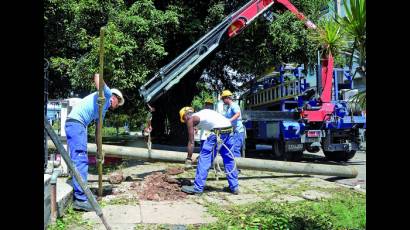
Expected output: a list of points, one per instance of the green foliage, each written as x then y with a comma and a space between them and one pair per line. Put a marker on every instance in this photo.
135, 46
56, 124
70, 218
265, 44
354, 23
360, 99
199, 100
106, 131
116, 119
330, 37
342, 212
142, 36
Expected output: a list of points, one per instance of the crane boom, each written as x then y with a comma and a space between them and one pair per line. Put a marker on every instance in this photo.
233, 24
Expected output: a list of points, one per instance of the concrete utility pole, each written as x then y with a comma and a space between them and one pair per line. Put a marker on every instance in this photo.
243, 163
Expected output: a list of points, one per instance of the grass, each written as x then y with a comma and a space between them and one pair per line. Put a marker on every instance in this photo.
107, 169
347, 211
121, 201
70, 218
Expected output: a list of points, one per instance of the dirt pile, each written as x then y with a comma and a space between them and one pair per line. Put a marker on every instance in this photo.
159, 186
116, 177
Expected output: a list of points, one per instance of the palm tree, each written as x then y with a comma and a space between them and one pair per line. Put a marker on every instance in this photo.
354, 24
330, 37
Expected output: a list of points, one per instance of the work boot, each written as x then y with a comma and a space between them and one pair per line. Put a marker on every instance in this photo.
227, 189
82, 206
190, 190
188, 163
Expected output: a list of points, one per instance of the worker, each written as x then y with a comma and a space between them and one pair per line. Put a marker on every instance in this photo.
203, 134
221, 129
209, 104
76, 124
233, 113
148, 127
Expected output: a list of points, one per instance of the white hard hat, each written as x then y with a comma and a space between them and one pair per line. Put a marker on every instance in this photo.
119, 94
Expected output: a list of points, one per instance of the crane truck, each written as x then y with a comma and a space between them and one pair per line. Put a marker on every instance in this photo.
316, 122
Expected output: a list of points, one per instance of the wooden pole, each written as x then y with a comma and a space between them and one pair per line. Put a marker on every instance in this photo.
101, 102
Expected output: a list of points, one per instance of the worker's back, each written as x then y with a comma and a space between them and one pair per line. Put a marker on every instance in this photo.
87, 109
210, 119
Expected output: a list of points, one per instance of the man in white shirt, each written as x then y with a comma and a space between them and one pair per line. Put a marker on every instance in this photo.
220, 127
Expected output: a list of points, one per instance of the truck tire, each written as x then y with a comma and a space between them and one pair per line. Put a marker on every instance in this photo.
278, 148
340, 155
295, 156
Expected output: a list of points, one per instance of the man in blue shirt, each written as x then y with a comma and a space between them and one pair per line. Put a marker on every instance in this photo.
234, 115
76, 125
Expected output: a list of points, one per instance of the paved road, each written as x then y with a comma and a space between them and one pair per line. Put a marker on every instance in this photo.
358, 161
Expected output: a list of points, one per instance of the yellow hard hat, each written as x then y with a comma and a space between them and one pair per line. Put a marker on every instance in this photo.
226, 93
183, 111
209, 100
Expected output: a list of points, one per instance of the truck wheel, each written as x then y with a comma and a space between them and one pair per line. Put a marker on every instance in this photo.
279, 151
340, 155
293, 156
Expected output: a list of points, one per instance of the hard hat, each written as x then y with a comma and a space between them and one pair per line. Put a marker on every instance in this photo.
183, 111
226, 93
209, 101
119, 94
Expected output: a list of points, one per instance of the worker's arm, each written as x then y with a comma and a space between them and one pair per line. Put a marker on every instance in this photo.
191, 139
237, 111
191, 122
236, 116
97, 81
106, 90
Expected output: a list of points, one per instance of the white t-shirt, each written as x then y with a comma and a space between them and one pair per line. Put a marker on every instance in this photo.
210, 119
204, 134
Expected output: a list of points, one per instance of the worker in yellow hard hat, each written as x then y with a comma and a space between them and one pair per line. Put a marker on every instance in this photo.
204, 134
221, 138
234, 115
226, 93
209, 103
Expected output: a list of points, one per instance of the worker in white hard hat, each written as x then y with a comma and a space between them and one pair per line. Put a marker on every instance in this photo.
76, 124
234, 115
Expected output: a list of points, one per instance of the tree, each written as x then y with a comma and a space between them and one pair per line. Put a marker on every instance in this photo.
142, 36
354, 23
136, 33
118, 120
330, 37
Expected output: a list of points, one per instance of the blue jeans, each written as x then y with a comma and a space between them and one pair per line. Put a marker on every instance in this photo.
206, 158
239, 139
77, 144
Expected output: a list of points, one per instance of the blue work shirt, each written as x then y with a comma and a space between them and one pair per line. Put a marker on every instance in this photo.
87, 109
237, 124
